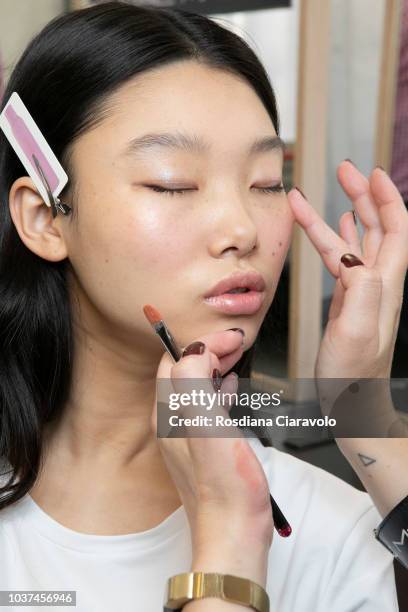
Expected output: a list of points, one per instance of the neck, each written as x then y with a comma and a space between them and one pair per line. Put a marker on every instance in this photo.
108, 413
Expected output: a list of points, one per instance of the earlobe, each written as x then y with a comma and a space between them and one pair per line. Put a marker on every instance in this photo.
33, 220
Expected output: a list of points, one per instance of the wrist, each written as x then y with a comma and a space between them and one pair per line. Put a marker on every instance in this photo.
233, 528
248, 566
232, 543
243, 557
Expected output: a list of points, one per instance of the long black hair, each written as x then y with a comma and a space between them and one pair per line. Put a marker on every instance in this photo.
65, 76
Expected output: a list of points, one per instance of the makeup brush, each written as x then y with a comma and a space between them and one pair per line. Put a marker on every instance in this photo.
161, 329
156, 321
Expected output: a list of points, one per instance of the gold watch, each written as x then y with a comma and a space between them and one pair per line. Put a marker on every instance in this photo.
196, 585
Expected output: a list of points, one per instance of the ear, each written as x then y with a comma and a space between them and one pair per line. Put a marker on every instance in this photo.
33, 219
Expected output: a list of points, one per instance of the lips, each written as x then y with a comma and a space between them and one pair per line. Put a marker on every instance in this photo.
239, 294
252, 281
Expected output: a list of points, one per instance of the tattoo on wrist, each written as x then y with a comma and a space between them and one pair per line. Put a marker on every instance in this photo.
365, 460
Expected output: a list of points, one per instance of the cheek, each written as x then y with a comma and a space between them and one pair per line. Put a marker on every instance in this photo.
155, 238
275, 232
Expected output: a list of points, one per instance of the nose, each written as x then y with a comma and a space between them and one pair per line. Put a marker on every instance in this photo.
232, 230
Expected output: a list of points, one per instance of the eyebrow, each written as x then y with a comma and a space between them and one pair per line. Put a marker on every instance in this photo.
195, 144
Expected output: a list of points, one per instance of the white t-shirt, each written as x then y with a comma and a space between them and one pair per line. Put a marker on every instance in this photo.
330, 563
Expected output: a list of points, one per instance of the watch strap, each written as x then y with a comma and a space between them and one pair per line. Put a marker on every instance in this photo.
392, 532
196, 585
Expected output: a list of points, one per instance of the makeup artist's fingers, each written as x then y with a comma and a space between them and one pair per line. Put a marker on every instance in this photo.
225, 346
223, 342
215, 477
359, 316
392, 258
199, 365
228, 361
328, 244
357, 187
348, 232
336, 303
229, 387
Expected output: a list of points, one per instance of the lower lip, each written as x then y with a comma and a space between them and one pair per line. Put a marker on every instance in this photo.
237, 303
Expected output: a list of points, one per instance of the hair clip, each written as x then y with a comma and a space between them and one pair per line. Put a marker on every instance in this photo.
54, 202
35, 153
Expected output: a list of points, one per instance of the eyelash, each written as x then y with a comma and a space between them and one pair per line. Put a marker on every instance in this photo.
172, 192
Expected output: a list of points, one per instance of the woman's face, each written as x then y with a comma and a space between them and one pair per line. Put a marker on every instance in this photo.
134, 244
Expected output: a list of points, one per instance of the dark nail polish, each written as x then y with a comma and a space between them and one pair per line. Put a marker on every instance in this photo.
195, 348
301, 192
216, 379
380, 167
350, 260
354, 217
351, 162
238, 329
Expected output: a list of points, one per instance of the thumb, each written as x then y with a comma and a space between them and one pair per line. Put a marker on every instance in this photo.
359, 316
163, 387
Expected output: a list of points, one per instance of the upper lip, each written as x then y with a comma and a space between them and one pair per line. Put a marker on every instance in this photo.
252, 280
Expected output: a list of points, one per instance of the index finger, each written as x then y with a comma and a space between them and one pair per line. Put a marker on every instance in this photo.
226, 345
327, 242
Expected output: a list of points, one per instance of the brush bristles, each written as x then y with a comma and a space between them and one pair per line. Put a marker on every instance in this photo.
152, 315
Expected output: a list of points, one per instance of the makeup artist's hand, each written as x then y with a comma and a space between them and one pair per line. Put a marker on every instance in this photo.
364, 314
220, 480
363, 318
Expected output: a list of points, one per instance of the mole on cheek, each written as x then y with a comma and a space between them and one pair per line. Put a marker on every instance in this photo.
245, 465
280, 244
273, 253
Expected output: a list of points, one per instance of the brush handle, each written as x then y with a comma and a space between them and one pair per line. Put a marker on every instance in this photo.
281, 524
168, 341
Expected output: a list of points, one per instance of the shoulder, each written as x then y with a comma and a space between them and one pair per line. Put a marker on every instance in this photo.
314, 498
332, 543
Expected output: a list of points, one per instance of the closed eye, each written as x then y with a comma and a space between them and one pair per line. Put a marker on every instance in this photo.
271, 189
172, 192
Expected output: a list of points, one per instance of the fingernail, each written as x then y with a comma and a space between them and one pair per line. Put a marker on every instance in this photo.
238, 329
301, 192
354, 217
241, 331
195, 348
380, 167
351, 162
216, 379
350, 260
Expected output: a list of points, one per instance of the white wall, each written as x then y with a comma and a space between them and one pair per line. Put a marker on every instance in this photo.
355, 59
273, 34
20, 20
